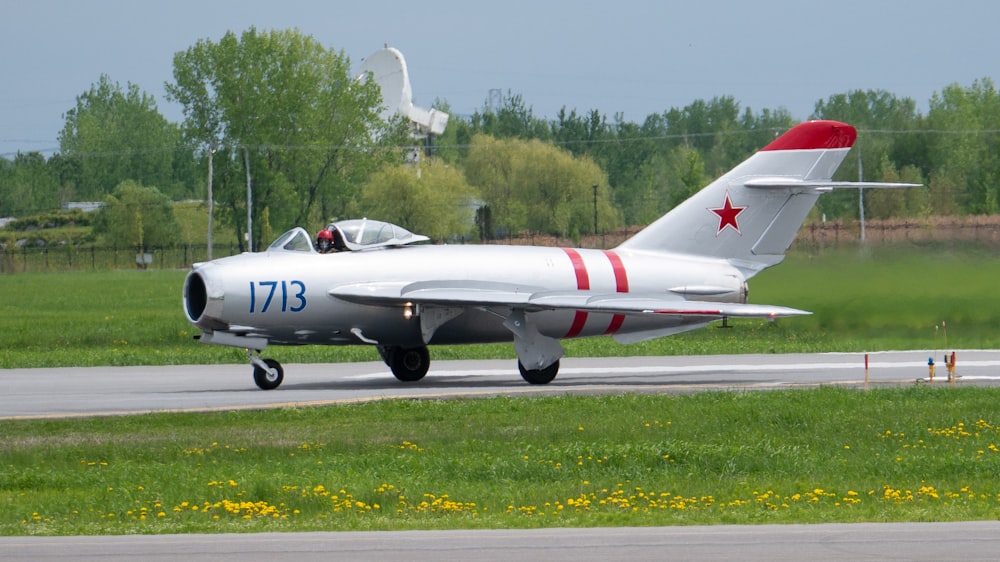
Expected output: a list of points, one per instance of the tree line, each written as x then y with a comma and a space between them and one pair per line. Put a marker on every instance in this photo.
279, 110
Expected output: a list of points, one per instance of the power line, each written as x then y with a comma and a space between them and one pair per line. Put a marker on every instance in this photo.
573, 142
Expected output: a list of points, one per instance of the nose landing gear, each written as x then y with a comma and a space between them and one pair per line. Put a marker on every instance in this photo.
267, 373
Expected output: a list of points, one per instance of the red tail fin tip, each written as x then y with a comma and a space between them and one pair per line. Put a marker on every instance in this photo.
815, 134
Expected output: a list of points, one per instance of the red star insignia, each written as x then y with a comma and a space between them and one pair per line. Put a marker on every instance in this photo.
728, 216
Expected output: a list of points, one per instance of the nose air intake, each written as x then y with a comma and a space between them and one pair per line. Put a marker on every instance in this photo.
195, 297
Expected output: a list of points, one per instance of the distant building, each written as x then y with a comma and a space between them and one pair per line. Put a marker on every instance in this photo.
85, 206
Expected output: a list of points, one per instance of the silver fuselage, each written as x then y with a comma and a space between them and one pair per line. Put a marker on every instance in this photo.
284, 297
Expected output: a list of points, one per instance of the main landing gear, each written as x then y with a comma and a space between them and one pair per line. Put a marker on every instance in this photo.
408, 364
539, 376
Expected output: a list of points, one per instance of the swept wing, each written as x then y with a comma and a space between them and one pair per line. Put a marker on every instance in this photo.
486, 294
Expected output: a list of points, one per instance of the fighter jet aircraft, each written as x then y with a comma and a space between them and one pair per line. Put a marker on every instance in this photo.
680, 273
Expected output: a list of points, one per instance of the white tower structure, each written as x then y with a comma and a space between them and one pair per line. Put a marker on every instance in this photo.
387, 68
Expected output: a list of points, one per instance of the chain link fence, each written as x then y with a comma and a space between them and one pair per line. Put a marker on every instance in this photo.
812, 237
67, 257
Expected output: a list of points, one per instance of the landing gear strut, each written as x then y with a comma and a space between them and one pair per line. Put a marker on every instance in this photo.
267, 373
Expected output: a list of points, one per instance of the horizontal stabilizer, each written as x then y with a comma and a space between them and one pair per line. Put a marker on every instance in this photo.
786, 183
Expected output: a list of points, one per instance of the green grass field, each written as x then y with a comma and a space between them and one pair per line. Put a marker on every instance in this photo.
803, 456
821, 455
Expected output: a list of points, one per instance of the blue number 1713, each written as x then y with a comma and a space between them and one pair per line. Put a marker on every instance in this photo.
296, 297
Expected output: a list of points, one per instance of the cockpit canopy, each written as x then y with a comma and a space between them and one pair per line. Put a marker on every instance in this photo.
364, 234
295, 240
357, 235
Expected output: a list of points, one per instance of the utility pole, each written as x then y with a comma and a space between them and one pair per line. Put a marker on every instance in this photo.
861, 196
211, 203
246, 163
595, 209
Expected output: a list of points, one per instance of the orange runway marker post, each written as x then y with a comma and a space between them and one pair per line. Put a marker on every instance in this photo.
866, 371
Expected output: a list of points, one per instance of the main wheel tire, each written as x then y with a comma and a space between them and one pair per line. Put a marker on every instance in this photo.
264, 379
539, 376
409, 364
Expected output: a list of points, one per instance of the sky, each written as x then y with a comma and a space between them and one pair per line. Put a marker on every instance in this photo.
632, 57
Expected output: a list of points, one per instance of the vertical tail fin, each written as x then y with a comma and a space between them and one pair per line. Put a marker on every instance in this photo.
751, 214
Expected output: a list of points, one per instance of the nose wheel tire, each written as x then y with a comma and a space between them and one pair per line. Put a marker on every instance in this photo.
266, 380
539, 376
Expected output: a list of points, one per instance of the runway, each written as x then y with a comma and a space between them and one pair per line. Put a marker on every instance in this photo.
979, 540
89, 391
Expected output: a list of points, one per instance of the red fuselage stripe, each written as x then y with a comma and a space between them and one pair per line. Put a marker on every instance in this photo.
621, 279
580, 268
616, 324
621, 285
582, 284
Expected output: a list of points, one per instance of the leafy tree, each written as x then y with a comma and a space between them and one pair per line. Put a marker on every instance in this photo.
489, 168
700, 122
8, 191
637, 166
967, 155
869, 109
27, 185
137, 216
289, 106
538, 187
879, 116
644, 198
116, 134
690, 170
513, 119
450, 146
888, 203
431, 199
580, 134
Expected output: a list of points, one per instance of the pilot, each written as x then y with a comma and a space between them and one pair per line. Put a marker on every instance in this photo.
324, 241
